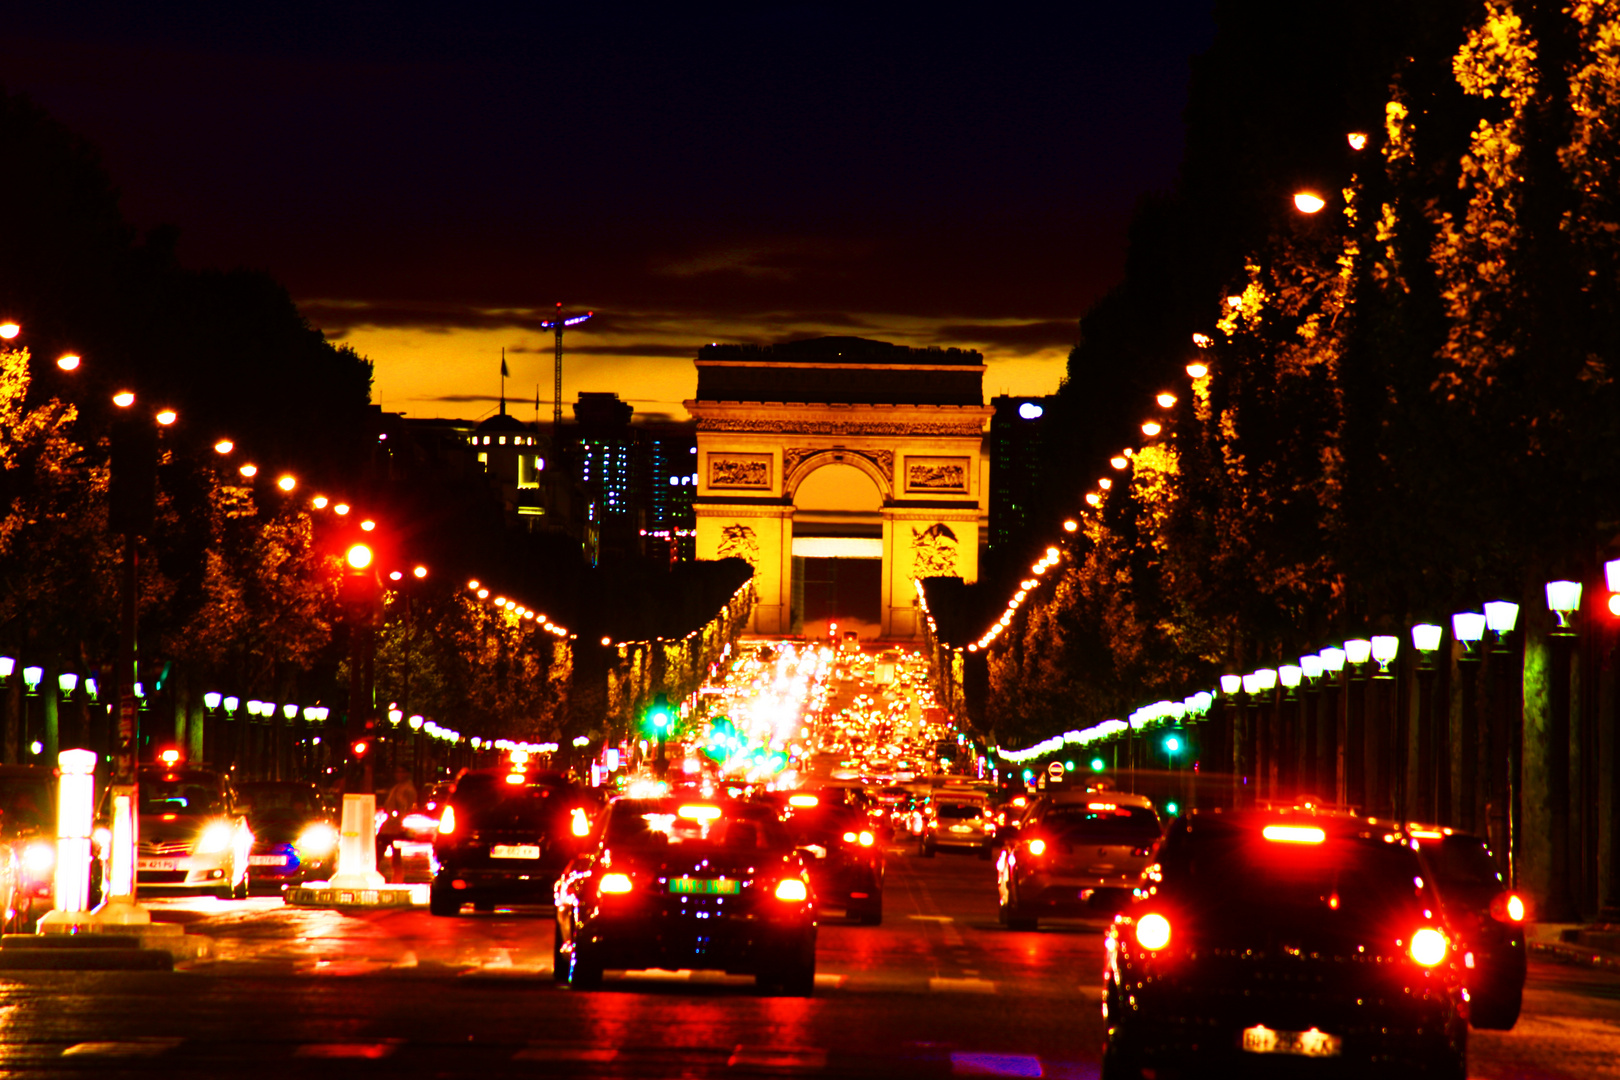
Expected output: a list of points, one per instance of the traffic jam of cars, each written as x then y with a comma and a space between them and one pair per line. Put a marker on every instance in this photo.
735, 827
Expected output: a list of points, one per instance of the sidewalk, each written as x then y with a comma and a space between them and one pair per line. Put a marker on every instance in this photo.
1596, 945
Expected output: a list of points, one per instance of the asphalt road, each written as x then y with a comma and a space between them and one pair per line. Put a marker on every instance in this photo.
939, 990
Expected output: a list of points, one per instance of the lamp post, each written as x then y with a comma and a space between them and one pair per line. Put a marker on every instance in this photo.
1232, 734
1433, 759
1468, 628
1333, 721
1501, 616
1389, 730
1311, 773
1357, 654
1292, 740
1564, 601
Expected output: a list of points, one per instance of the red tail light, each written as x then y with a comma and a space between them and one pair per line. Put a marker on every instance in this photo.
1509, 908
1429, 946
447, 823
1153, 932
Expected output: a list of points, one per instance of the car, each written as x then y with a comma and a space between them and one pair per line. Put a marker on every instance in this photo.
959, 822
28, 838
1077, 852
193, 834
1488, 919
685, 883
295, 833
1287, 939
842, 851
503, 837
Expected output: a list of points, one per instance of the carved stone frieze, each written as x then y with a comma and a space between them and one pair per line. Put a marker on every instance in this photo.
787, 426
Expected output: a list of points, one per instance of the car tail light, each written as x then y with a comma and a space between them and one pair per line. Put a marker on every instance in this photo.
447, 823
866, 838
582, 823
1037, 847
1508, 907
1142, 852
1428, 946
616, 883
1153, 932
792, 890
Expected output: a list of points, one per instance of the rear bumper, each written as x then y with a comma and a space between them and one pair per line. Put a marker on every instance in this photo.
531, 885
738, 945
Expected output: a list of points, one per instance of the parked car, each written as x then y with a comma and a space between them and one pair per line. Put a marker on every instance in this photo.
1487, 918
688, 883
28, 845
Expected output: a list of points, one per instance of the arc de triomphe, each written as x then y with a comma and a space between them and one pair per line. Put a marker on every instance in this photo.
896, 436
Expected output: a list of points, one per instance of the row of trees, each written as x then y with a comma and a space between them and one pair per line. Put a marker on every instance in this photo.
1411, 403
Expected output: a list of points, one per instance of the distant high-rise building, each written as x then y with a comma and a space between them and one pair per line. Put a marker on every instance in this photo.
668, 455
1017, 480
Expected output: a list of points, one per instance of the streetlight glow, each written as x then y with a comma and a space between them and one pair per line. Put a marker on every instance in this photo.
9, 330
1119, 462
1151, 428
249, 471
1071, 525
1357, 140
167, 417
1166, 400
318, 502
419, 572
359, 556
224, 446
340, 509
367, 525
68, 361
286, 483
124, 399
1308, 202
1197, 370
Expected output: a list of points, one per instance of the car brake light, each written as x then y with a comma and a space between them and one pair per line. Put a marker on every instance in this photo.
1037, 847
802, 801
615, 883
582, 824
1508, 907
1142, 852
704, 814
447, 823
866, 838
1293, 834
1428, 946
792, 890
1153, 932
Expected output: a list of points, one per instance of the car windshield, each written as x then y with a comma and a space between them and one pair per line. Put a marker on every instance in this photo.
492, 803
24, 803
185, 796
645, 824
281, 803
1255, 881
960, 811
1461, 862
1102, 823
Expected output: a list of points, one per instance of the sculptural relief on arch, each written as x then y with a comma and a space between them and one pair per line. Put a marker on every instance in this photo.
842, 470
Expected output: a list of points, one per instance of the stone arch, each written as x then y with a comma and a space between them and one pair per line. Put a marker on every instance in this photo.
800, 465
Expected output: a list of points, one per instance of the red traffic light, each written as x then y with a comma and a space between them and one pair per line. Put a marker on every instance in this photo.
361, 747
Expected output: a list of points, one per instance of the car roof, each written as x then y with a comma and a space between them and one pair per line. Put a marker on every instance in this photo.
1118, 798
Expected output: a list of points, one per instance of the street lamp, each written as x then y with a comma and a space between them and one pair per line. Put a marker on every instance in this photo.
1384, 648
1289, 675
1333, 660
1197, 371
67, 682
1501, 616
68, 361
290, 711
32, 676
1311, 666
1231, 684
1564, 600
1308, 202
1151, 428
1426, 638
1357, 651
1468, 627
212, 699
230, 703
224, 446
8, 664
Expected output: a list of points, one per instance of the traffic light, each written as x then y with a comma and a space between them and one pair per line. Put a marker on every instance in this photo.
360, 747
1172, 745
659, 719
1098, 765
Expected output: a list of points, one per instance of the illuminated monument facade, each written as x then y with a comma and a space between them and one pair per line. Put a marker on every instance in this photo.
843, 470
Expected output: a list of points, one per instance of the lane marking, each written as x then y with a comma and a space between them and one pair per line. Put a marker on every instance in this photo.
350, 1051
778, 1057
996, 1065
130, 1048
829, 982
932, 918
962, 986
565, 1053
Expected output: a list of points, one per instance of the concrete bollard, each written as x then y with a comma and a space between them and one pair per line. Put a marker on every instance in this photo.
357, 846
75, 813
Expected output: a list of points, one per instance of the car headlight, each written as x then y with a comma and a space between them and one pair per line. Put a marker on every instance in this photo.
318, 840
39, 857
214, 839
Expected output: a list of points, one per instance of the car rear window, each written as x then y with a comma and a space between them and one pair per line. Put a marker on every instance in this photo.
960, 811
641, 824
275, 803
1461, 861
180, 795
1367, 881
1102, 823
491, 803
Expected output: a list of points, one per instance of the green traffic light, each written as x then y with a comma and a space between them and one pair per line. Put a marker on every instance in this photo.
1172, 809
1068, 766
1172, 745
1097, 764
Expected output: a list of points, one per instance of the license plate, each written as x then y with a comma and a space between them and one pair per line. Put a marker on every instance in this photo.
267, 860
705, 886
1313, 1043
960, 828
157, 864
515, 851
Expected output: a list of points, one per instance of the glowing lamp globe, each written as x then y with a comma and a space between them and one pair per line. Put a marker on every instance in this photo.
1358, 651
1308, 202
1231, 684
1426, 637
1312, 666
1384, 648
1564, 600
1501, 616
1468, 626
1332, 660
1289, 675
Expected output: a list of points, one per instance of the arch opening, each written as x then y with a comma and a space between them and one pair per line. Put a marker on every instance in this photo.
837, 551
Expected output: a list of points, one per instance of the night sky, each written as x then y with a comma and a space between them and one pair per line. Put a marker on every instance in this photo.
428, 180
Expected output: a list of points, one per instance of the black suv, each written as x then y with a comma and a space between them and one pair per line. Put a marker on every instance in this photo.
1260, 939
842, 849
1487, 918
503, 837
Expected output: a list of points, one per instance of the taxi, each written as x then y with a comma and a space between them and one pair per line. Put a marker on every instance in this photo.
1263, 942
1076, 852
193, 834
686, 883
503, 837
1487, 917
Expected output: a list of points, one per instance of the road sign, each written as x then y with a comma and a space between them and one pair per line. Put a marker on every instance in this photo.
1055, 770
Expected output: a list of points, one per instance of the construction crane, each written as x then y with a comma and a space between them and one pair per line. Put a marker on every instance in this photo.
557, 326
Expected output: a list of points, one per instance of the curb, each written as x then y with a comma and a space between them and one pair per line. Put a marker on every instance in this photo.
1575, 954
